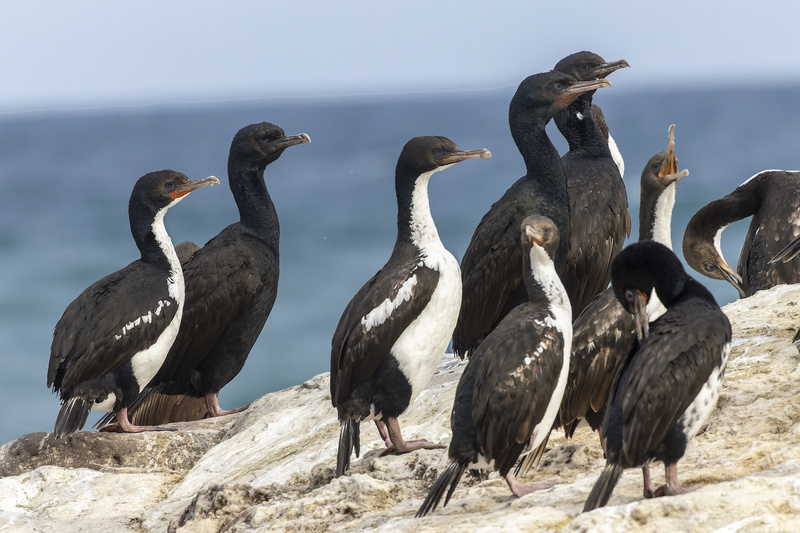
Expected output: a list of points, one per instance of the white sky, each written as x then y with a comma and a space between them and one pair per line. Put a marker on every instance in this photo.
57, 54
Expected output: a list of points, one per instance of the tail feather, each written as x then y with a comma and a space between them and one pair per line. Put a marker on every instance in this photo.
72, 416
450, 477
603, 487
349, 439
533, 458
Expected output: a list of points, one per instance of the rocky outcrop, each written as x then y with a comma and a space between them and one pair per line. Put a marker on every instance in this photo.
271, 467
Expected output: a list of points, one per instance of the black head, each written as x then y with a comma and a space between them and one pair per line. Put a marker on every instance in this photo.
258, 145
588, 66
644, 266
425, 154
539, 231
157, 190
661, 170
546, 93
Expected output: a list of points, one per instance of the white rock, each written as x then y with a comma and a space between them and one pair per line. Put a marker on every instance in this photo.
272, 470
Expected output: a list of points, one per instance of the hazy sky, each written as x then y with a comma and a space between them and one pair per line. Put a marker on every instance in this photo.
107, 53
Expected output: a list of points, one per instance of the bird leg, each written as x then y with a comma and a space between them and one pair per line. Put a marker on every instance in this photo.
212, 404
381, 425
520, 489
123, 425
673, 486
400, 446
649, 490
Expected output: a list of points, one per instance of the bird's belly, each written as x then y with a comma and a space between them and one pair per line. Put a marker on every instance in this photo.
701, 407
147, 362
421, 346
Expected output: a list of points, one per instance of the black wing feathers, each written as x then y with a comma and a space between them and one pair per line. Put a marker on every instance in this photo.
506, 407
356, 350
222, 279
88, 340
667, 372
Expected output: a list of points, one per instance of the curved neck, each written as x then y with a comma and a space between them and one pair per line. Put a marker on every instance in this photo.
256, 210
538, 152
741, 203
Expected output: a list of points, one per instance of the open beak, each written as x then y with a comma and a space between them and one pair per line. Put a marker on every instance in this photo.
456, 157
182, 189
601, 71
640, 315
788, 252
668, 172
731, 276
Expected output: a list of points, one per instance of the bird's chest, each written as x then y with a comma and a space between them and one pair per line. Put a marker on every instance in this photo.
421, 346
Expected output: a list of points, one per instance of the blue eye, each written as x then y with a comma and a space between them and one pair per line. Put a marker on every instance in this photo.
558, 86
169, 185
584, 67
629, 295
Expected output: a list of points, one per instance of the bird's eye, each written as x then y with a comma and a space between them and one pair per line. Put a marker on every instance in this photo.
583, 67
629, 295
655, 167
169, 185
558, 86
438, 152
547, 231
709, 267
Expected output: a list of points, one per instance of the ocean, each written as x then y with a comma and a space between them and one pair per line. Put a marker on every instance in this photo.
66, 176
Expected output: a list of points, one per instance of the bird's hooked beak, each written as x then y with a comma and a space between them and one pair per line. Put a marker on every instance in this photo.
731, 276
182, 189
534, 236
668, 173
451, 158
601, 71
640, 316
290, 140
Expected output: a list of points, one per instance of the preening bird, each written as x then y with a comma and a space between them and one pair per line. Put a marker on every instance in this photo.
772, 198
667, 386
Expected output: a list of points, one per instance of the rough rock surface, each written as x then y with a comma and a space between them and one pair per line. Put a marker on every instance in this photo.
271, 467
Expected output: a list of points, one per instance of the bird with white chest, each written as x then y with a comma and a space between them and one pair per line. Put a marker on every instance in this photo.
395, 330
113, 338
509, 394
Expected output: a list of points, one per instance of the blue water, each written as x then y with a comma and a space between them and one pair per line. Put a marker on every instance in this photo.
65, 179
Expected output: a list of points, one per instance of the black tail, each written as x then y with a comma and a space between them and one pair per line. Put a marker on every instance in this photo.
450, 477
603, 487
349, 439
72, 416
